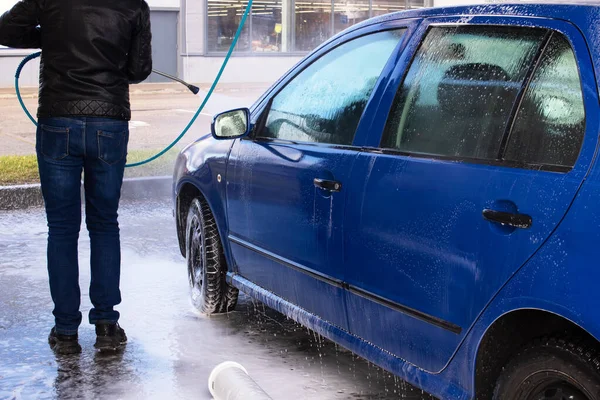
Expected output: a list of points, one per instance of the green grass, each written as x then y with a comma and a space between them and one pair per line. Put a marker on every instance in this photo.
18, 169
15, 170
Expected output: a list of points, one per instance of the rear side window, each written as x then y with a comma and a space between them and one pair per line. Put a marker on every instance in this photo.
324, 103
550, 124
459, 92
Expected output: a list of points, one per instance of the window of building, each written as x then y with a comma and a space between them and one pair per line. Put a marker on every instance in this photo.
289, 26
312, 24
349, 12
223, 20
267, 27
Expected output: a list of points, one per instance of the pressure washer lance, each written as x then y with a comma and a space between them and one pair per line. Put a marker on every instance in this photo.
193, 89
230, 381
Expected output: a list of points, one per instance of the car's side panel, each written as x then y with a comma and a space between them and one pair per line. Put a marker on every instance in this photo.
290, 282
529, 289
418, 246
280, 224
544, 283
562, 278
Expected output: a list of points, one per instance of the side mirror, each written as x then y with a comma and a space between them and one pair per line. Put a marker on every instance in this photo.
231, 124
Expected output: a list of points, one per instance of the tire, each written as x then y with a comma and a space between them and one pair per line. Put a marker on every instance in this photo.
209, 291
551, 369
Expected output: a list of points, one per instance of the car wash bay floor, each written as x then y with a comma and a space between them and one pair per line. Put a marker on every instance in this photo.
171, 348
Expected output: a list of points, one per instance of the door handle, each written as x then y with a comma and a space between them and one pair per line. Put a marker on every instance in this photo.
330, 186
522, 221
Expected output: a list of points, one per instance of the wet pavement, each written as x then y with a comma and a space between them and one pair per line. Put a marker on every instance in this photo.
171, 348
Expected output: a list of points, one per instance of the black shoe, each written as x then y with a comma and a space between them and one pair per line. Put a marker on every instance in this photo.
109, 337
63, 344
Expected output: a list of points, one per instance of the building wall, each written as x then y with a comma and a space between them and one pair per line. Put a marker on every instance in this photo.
445, 3
193, 14
9, 61
163, 3
239, 70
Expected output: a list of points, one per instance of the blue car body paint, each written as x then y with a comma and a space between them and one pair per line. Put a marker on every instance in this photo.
411, 279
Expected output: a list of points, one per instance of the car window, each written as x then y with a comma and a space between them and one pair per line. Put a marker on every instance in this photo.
550, 124
458, 94
324, 103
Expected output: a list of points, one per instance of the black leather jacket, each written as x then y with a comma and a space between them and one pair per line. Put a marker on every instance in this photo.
91, 51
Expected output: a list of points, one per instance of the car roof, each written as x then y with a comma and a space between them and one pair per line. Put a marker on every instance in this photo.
579, 13
548, 10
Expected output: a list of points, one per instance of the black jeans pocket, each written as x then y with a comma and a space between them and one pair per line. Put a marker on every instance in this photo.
54, 142
112, 146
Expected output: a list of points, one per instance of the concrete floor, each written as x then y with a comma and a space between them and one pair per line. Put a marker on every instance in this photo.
171, 348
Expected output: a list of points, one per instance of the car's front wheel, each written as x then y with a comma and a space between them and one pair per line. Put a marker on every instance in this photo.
551, 369
207, 268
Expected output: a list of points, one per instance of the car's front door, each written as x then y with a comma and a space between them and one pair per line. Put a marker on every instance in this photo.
285, 185
484, 146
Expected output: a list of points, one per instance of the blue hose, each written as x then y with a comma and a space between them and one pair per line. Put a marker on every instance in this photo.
17, 75
194, 118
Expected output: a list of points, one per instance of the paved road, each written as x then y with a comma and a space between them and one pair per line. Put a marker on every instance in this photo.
159, 113
172, 349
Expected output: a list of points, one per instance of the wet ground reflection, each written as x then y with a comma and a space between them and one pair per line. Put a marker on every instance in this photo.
171, 348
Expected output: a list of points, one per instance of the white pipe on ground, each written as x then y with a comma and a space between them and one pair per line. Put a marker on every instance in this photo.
230, 381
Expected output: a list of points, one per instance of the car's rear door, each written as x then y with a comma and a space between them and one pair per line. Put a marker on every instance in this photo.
285, 184
472, 162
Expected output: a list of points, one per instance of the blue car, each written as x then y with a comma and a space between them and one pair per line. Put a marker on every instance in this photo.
423, 190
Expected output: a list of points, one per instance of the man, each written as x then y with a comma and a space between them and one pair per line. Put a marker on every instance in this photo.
91, 51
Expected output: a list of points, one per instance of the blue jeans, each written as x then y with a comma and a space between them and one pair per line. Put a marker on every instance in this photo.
98, 147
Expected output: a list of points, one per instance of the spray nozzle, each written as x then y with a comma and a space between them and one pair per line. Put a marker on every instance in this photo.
192, 88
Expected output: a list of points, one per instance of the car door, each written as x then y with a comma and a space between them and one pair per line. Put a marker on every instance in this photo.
472, 162
285, 197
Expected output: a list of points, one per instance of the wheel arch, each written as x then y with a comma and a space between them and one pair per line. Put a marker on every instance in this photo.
187, 191
509, 333
185, 194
